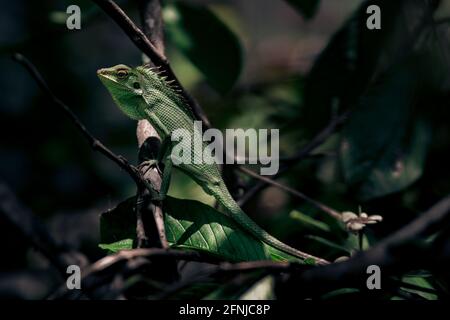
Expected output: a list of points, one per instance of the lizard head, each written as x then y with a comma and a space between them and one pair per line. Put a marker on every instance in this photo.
124, 84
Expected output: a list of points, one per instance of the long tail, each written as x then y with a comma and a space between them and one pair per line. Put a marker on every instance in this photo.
235, 212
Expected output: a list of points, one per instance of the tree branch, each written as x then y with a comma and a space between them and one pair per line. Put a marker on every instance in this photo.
142, 184
124, 264
303, 153
148, 139
36, 233
156, 55
155, 51
392, 254
397, 253
333, 213
96, 144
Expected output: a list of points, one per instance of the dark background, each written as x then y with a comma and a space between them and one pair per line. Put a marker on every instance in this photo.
53, 171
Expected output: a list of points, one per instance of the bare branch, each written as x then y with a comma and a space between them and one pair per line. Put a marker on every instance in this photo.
140, 181
333, 213
151, 16
156, 55
96, 144
397, 253
318, 140
35, 232
303, 153
348, 273
124, 264
152, 22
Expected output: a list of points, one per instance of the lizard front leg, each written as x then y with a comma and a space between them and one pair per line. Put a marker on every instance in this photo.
164, 165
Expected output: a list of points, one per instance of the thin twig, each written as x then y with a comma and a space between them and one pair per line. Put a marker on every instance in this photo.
396, 253
126, 263
36, 232
335, 214
303, 153
152, 22
318, 140
96, 144
267, 267
156, 56
348, 273
148, 253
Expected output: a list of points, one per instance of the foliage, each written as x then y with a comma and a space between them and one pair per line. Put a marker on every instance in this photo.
191, 225
389, 156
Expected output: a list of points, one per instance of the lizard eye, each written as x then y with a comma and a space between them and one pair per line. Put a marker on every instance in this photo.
136, 85
122, 73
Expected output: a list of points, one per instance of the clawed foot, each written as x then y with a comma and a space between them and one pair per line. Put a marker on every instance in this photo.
144, 166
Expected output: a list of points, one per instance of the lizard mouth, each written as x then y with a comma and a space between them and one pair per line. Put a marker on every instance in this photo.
101, 72
106, 77
105, 74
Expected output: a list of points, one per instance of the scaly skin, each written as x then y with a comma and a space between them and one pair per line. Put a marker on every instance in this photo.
142, 93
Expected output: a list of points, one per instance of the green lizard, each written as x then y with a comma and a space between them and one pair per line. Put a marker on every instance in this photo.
142, 93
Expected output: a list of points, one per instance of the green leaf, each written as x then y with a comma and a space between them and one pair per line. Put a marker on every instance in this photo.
390, 175
309, 221
192, 225
307, 8
420, 282
356, 56
207, 42
383, 148
114, 247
